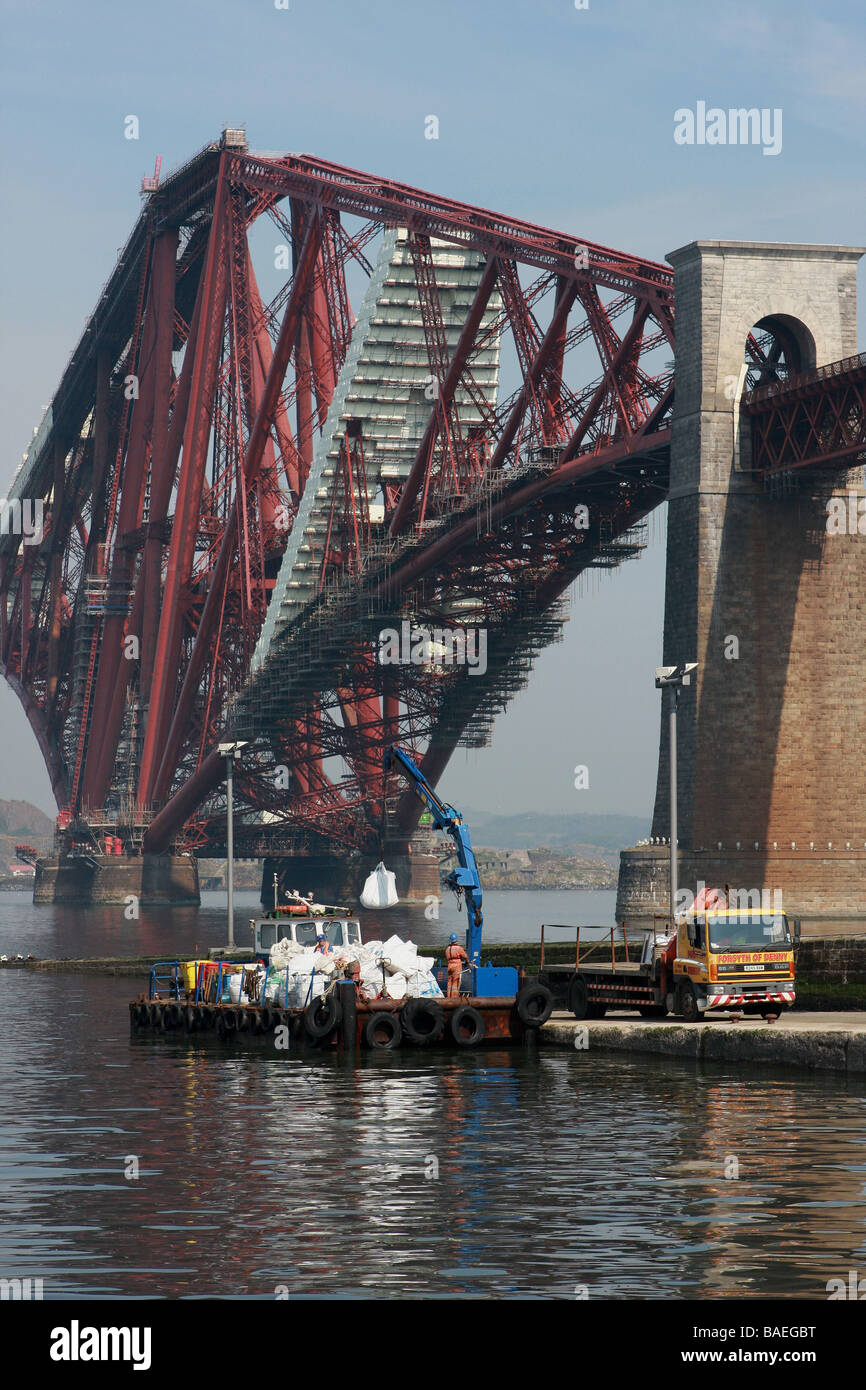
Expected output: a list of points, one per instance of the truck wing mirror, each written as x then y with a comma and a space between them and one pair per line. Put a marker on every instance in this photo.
796, 931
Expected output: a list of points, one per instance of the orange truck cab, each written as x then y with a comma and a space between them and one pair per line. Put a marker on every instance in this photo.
730, 958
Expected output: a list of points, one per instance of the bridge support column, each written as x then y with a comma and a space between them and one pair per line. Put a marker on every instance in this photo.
154, 880
329, 877
339, 880
772, 792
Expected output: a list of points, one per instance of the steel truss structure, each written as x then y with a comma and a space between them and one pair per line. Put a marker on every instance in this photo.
814, 420
200, 418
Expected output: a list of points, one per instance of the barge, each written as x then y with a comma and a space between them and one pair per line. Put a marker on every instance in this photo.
341, 1020
223, 998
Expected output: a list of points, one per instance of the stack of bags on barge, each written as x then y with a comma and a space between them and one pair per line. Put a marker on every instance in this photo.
389, 969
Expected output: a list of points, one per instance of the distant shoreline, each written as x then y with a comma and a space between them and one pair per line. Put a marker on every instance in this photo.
548, 887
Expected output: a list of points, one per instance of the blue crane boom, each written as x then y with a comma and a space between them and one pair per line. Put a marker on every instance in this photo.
463, 880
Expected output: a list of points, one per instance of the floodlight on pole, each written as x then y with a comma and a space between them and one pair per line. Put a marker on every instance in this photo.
673, 678
230, 751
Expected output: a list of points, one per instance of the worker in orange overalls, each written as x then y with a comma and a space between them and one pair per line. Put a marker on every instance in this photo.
455, 958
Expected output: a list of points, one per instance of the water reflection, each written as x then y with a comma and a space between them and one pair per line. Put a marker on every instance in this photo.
552, 1169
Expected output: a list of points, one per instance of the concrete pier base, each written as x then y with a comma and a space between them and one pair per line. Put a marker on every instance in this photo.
416, 866
156, 880
329, 877
339, 879
812, 883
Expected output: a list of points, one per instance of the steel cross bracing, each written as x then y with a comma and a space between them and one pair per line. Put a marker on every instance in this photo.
248, 476
814, 420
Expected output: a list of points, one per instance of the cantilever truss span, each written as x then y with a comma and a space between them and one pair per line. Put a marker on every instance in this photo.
313, 407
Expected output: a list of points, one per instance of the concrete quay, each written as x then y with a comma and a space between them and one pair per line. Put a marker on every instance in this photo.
812, 1041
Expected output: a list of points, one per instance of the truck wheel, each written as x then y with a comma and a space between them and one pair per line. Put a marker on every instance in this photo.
578, 998
534, 1005
688, 1009
775, 1009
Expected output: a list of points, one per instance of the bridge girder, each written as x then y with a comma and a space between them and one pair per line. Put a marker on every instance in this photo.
175, 456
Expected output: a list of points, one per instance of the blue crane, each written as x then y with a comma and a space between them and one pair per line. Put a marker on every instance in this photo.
464, 880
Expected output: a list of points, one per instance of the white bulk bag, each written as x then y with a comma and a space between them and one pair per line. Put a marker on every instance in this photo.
235, 990
380, 889
372, 974
275, 989
400, 957
299, 989
400, 962
282, 953
300, 965
422, 985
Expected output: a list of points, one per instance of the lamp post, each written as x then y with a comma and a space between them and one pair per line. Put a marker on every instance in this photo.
230, 751
673, 678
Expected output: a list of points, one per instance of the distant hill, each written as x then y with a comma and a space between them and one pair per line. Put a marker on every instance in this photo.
580, 832
22, 817
22, 823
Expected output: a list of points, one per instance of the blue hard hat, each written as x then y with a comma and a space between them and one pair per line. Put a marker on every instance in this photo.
452, 938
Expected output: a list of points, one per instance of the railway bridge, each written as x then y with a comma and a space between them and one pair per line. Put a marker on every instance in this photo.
320, 471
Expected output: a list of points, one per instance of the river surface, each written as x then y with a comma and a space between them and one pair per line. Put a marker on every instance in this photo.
139, 1166
106, 931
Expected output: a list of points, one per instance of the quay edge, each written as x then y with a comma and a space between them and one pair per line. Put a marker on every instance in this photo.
834, 1042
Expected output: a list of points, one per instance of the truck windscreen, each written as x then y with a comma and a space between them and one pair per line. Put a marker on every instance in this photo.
748, 933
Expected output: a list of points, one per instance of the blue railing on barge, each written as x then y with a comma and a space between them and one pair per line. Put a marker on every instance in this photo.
172, 981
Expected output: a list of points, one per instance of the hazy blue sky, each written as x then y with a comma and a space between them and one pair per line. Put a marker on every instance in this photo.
558, 115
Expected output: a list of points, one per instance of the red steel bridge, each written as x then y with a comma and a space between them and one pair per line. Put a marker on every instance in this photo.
416, 412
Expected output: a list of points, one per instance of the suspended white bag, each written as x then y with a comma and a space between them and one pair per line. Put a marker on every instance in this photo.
380, 890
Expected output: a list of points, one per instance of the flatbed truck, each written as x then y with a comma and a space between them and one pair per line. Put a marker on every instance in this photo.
718, 959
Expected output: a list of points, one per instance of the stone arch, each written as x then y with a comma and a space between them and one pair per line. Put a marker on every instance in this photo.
778, 346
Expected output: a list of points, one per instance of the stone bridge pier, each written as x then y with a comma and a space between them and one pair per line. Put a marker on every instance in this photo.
772, 735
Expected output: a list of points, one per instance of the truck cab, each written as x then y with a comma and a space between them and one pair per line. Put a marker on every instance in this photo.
731, 957
267, 931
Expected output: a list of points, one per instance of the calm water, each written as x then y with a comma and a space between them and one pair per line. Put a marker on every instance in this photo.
105, 931
497, 1173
